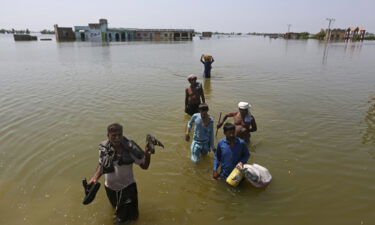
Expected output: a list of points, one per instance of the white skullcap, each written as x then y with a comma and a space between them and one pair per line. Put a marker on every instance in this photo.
244, 105
192, 76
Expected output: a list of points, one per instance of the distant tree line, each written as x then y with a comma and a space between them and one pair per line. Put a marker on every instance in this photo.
13, 31
47, 31
27, 31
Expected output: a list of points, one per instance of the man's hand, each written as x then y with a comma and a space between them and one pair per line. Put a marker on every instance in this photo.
147, 150
239, 166
215, 175
92, 180
187, 137
219, 125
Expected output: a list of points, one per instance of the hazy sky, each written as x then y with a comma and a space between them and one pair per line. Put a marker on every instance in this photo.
201, 15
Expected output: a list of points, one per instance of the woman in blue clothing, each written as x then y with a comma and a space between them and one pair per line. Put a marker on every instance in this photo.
231, 152
207, 61
203, 140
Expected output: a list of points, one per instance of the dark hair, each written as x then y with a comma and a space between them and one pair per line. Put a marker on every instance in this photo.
114, 127
228, 127
203, 107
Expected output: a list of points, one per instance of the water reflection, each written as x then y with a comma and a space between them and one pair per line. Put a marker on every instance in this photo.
207, 86
325, 53
369, 134
353, 48
286, 46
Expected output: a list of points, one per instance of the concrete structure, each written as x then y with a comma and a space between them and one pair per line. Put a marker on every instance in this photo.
24, 37
207, 34
101, 32
164, 34
335, 34
64, 33
355, 33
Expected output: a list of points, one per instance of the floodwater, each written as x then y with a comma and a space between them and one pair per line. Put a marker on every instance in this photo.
314, 105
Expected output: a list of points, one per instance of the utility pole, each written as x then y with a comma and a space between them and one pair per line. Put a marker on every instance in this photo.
289, 25
330, 21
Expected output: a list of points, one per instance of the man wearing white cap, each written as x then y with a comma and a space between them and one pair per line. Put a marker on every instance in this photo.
243, 120
193, 95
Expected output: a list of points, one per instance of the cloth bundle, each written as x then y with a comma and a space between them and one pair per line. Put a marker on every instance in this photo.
257, 175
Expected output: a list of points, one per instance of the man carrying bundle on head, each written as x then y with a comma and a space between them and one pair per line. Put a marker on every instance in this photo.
203, 140
194, 95
207, 60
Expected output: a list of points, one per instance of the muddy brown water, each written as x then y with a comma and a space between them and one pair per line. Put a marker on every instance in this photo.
314, 105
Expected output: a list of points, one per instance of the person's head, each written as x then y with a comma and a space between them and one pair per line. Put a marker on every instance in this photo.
203, 109
229, 129
244, 107
114, 133
192, 79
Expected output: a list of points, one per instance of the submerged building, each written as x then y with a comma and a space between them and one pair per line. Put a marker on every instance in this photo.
334, 34
355, 33
64, 33
350, 33
101, 32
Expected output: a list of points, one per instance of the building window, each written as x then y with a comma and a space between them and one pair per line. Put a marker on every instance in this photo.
165, 35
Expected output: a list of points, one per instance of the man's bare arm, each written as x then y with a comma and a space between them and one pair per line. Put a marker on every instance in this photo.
147, 161
98, 173
231, 114
186, 99
202, 95
253, 125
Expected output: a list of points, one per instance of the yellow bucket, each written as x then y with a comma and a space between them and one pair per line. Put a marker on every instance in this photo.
235, 177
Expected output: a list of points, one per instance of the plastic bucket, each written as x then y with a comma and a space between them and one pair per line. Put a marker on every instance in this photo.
235, 177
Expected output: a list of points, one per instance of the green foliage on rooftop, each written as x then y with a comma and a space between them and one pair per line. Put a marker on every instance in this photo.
320, 35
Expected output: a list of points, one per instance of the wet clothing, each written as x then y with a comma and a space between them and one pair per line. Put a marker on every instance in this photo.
207, 68
197, 149
119, 183
125, 201
191, 109
119, 173
228, 157
203, 139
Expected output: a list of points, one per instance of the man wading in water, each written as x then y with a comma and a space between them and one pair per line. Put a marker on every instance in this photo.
116, 158
231, 152
208, 60
193, 95
203, 139
243, 120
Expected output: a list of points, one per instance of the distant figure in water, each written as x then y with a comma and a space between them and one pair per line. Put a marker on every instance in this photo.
194, 95
207, 60
243, 121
